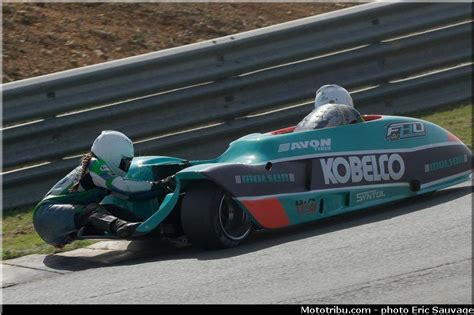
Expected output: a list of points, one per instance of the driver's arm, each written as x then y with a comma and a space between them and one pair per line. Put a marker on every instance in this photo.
130, 189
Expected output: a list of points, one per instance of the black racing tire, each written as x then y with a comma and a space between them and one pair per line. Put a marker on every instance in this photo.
211, 219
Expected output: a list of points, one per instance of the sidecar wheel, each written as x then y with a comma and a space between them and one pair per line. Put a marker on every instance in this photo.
212, 219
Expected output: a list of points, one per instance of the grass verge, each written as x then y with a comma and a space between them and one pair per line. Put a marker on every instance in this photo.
20, 238
457, 119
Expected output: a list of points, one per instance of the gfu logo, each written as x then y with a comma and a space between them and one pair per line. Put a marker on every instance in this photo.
405, 130
370, 168
369, 195
317, 145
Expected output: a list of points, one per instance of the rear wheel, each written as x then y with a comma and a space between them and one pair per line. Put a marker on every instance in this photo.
212, 219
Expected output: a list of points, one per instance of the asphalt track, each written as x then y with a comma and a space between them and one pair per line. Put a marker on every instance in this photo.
415, 251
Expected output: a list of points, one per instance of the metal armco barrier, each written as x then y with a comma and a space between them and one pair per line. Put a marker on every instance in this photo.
193, 100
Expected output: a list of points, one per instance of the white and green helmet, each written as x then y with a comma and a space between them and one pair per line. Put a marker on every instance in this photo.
115, 149
332, 94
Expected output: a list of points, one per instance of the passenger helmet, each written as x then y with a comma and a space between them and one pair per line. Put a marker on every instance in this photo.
115, 149
329, 115
332, 94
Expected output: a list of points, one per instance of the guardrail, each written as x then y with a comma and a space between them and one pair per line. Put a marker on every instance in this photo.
192, 100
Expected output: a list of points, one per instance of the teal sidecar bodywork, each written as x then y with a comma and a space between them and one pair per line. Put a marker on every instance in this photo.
284, 178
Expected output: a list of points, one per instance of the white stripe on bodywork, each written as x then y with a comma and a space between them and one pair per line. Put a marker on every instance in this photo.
340, 153
435, 182
380, 186
323, 190
365, 152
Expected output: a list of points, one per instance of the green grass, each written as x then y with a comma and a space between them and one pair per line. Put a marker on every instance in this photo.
457, 119
20, 238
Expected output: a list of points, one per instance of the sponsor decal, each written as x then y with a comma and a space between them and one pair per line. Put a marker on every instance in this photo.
438, 165
354, 169
369, 195
262, 179
305, 207
397, 131
104, 168
317, 145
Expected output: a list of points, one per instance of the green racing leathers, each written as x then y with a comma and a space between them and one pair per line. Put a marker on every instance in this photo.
54, 216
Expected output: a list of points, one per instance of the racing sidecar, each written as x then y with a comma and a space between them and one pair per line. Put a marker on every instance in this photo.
282, 178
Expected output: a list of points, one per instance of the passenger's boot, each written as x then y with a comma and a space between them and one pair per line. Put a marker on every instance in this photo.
103, 220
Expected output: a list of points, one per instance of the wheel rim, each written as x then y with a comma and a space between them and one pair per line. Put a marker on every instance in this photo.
233, 220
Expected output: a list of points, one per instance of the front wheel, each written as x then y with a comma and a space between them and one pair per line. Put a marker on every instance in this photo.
212, 219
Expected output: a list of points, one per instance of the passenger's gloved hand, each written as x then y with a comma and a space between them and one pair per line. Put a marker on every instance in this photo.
170, 182
165, 185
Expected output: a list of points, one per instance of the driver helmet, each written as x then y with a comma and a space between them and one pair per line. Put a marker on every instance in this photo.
332, 94
329, 115
115, 149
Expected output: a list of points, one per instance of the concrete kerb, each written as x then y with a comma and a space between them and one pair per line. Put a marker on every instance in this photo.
36, 267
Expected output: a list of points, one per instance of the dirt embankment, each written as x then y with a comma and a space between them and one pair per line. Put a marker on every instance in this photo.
41, 38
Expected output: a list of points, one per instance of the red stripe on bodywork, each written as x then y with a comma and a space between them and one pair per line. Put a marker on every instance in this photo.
268, 212
283, 131
371, 117
452, 137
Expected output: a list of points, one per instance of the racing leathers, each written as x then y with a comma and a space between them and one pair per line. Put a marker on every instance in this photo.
63, 211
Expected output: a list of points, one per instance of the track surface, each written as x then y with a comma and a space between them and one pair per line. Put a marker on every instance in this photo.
415, 251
